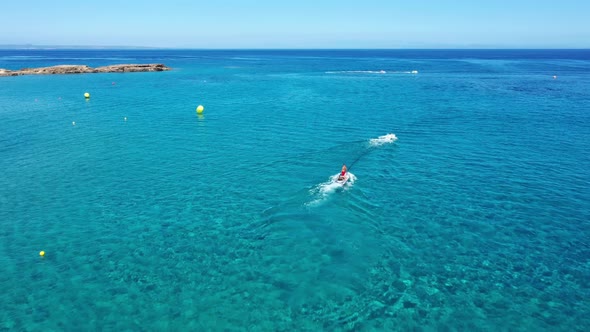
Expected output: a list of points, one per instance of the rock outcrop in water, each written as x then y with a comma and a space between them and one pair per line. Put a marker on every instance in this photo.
81, 69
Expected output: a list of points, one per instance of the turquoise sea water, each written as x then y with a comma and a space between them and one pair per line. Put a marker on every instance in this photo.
154, 218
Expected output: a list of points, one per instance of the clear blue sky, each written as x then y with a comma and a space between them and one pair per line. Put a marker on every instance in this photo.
299, 24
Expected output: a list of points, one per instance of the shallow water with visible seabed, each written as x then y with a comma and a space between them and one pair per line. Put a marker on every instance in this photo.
468, 207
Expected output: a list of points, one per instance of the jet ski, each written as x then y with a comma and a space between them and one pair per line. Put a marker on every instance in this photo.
341, 180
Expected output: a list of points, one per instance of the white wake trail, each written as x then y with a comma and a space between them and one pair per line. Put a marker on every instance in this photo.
385, 139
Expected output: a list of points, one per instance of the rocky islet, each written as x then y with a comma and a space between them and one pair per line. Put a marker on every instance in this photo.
83, 69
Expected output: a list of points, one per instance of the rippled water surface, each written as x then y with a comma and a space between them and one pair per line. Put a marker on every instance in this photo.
467, 209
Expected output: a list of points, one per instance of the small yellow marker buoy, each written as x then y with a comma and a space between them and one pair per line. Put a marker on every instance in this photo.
41, 253
86, 95
200, 109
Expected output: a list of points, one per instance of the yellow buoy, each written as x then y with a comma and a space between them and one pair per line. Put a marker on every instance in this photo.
200, 109
41, 253
86, 95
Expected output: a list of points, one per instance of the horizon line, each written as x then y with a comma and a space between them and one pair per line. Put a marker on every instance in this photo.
113, 47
